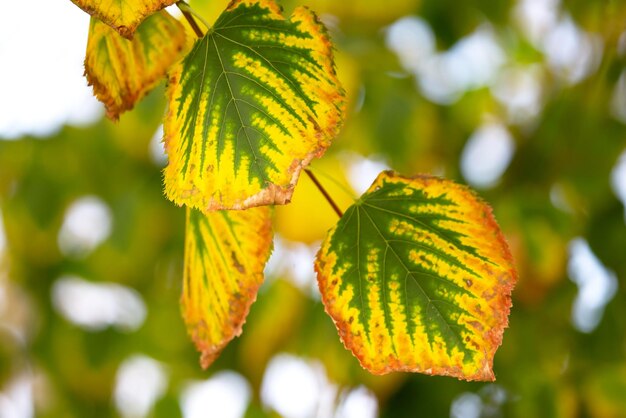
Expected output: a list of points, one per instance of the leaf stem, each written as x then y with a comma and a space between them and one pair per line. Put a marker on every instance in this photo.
342, 187
324, 192
189, 15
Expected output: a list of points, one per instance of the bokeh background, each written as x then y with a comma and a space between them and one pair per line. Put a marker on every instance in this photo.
524, 100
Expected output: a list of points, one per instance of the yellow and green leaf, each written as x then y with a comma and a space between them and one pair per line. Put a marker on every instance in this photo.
225, 253
122, 15
253, 103
122, 71
417, 277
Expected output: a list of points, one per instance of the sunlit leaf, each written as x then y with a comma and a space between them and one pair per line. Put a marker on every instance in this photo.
225, 253
254, 101
122, 71
122, 15
417, 277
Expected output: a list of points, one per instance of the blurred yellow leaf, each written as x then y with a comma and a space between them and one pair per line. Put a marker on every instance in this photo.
296, 221
371, 10
209, 10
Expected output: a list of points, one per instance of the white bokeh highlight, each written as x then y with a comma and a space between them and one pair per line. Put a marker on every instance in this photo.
226, 395
413, 41
297, 388
486, 402
174, 11
139, 383
572, 53
487, 155
469, 64
536, 18
42, 81
156, 148
87, 223
618, 180
294, 261
362, 171
519, 90
466, 405
359, 402
16, 398
96, 306
596, 285
443, 77
3, 236
475, 59
478, 60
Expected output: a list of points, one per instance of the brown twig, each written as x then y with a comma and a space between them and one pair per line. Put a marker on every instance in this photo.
184, 8
324, 192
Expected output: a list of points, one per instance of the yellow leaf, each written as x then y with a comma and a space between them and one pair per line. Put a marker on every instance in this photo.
417, 277
225, 254
296, 221
382, 12
122, 71
253, 103
122, 15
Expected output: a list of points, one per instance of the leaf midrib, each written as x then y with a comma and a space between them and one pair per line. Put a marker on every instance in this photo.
408, 273
300, 94
243, 126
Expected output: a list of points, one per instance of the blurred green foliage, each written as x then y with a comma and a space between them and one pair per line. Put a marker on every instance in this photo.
545, 366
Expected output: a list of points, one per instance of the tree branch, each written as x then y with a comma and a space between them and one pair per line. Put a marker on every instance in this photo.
186, 10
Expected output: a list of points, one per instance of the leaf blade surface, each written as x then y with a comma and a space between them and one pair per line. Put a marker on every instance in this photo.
254, 101
122, 15
225, 254
418, 277
123, 71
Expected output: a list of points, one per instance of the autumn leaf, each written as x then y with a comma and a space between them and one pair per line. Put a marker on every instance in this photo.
122, 71
417, 277
122, 15
225, 253
253, 103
